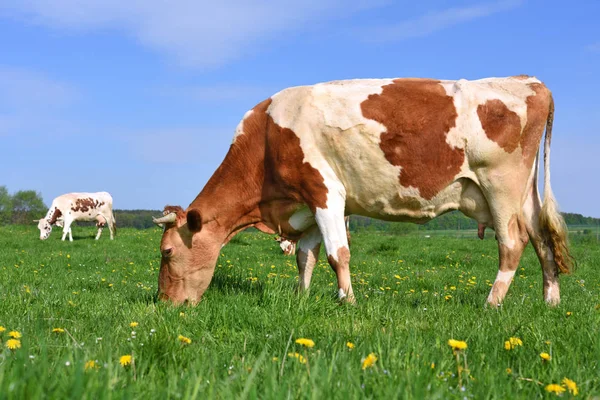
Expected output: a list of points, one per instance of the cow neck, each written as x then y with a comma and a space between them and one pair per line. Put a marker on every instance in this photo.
230, 200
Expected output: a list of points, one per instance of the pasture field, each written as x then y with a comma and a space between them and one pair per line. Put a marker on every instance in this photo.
413, 295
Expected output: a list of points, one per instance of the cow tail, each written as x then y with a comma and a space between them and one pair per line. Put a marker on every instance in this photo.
553, 226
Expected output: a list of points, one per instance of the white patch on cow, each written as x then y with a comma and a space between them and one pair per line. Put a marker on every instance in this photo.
505, 276
302, 219
341, 294
310, 239
239, 130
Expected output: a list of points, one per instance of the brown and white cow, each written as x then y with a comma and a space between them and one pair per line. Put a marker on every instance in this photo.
70, 207
394, 149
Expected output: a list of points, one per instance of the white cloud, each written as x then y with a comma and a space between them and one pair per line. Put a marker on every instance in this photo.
435, 21
197, 33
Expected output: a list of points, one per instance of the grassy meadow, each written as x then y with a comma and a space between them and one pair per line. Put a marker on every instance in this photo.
79, 307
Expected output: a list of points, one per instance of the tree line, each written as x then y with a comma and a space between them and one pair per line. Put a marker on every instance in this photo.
24, 206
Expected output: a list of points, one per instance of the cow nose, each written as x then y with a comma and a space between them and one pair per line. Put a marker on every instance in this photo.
167, 252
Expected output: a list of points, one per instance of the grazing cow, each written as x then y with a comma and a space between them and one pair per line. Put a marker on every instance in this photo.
394, 149
78, 207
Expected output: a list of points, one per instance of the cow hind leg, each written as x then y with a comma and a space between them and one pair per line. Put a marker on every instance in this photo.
100, 226
67, 230
307, 255
333, 230
512, 236
532, 210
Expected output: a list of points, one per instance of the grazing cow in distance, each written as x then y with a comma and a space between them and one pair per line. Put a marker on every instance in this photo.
393, 149
70, 207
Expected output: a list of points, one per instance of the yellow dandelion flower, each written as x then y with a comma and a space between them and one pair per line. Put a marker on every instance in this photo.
545, 356
133, 324
275, 358
184, 340
571, 385
554, 388
58, 330
91, 365
457, 344
569, 313
447, 297
432, 365
305, 342
125, 360
350, 345
15, 334
369, 361
508, 371
299, 356
13, 344
2, 329
513, 342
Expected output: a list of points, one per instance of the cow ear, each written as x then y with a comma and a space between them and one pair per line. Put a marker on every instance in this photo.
194, 220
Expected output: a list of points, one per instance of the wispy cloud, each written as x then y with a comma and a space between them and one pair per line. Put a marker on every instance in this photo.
435, 21
197, 33
593, 48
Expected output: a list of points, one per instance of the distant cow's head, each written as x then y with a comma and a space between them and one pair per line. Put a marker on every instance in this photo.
189, 254
45, 228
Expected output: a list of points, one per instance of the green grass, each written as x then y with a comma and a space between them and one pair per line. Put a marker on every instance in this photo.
241, 329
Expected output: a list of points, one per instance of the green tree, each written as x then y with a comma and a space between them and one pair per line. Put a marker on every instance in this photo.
5, 206
27, 205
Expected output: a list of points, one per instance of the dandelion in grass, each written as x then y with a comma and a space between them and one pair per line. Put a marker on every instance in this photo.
13, 344
305, 342
184, 340
275, 359
569, 313
350, 345
15, 334
555, 388
545, 356
2, 329
369, 361
571, 386
457, 345
58, 330
299, 356
133, 324
512, 343
125, 360
508, 371
91, 365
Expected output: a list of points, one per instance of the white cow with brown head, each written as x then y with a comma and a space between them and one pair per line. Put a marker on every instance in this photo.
395, 149
70, 207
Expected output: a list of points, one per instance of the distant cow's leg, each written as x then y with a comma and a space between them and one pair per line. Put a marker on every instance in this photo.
307, 255
70, 234
67, 230
532, 210
99, 231
333, 229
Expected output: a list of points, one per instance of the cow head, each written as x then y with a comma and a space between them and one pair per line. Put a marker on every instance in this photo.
45, 228
189, 253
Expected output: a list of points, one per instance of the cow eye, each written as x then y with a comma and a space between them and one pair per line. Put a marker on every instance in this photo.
168, 252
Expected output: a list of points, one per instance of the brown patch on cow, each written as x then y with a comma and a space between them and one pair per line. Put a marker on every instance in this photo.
540, 109
498, 292
343, 259
85, 204
417, 114
55, 216
500, 124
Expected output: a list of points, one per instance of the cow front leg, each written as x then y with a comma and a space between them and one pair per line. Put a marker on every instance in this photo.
307, 255
67, 230
333, 230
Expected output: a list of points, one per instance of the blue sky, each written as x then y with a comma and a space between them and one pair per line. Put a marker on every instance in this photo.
141, 98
